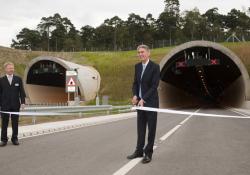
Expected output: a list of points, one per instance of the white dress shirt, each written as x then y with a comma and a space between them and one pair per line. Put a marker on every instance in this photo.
10, 78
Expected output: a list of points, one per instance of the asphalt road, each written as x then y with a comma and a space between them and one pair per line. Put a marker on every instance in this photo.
201, 145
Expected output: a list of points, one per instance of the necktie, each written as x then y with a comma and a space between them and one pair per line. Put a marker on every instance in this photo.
143, 69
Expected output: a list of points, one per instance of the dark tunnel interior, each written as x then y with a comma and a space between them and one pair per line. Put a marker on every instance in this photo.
201, 75
47, 73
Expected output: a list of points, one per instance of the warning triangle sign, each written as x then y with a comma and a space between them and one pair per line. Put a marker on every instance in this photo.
71, 82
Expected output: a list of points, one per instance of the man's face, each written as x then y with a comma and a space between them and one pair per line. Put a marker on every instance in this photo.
9, 69
143, 54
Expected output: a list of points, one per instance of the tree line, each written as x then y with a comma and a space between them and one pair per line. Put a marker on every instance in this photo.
57, 33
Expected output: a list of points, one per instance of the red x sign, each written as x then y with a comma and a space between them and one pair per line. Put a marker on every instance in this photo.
181, 64
214, 61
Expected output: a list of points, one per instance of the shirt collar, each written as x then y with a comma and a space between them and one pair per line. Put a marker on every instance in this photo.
7, 75
145, 64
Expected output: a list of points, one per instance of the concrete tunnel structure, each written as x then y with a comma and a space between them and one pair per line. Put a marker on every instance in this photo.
201, 72
45, 80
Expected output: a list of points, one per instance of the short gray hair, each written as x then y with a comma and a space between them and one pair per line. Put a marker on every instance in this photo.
7, 63
143, 46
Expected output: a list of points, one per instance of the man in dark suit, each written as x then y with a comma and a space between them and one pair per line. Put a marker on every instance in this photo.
12, 97
146, 81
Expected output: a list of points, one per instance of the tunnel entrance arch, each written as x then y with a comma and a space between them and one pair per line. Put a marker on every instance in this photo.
45, 77
200, 72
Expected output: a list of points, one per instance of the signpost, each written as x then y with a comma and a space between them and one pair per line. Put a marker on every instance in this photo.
71, 83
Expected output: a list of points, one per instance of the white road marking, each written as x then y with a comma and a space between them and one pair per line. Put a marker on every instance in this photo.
131, 164
169, 133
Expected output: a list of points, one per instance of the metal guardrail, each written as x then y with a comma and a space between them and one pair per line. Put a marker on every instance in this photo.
76, 109
69, 109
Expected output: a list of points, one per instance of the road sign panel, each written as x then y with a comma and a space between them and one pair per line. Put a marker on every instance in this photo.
71, 82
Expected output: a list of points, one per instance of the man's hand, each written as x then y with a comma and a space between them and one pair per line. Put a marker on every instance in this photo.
22, 106
134, 100
141, 103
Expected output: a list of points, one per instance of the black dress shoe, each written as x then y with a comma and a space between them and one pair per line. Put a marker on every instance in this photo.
135, 155
15, 142
146, 159
2, 144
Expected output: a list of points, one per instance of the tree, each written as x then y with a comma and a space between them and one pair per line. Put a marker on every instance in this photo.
215, 24
27, 39
45, 25
103, 37
168, 21
172, 6
87, 34
116, 23
135, 25
238, 22
192, 24
59, 30
150, 30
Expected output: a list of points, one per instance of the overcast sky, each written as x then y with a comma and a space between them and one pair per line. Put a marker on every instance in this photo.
17, 14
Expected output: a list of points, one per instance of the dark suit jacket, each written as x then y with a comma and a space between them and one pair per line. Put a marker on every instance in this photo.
149, 83
11, 96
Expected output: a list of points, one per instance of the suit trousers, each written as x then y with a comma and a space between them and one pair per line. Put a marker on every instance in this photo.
5, 123
144, 119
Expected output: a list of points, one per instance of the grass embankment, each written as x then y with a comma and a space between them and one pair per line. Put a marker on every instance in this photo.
116, 70
242, 50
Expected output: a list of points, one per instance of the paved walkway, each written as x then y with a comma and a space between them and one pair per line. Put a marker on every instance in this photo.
52, 127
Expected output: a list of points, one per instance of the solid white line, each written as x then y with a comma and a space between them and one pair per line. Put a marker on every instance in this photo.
126, 168
184, 121
131, 164
169, 133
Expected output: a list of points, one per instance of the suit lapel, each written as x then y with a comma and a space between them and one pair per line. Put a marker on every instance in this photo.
6, 80
139, 71
146, 70
13, 80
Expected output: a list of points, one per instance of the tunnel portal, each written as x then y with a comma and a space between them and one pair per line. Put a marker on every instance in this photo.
45, 81
202, 72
